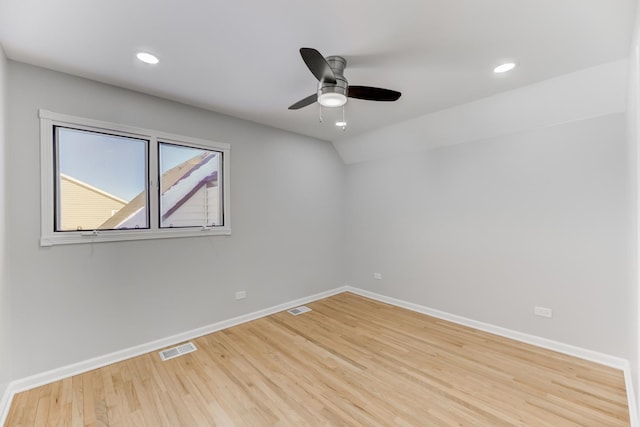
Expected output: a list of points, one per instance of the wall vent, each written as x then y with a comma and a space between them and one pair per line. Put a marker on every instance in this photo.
177, 351
299, 310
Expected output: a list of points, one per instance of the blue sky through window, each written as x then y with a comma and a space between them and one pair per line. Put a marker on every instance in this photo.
114, 164
172, 155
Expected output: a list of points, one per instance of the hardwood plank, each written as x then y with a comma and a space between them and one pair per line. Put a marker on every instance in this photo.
350, 361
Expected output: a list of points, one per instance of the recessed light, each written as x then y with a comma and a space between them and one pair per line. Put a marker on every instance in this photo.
147, 58
507, 66
341, 123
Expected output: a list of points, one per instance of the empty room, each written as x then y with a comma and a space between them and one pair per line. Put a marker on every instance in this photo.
412, 213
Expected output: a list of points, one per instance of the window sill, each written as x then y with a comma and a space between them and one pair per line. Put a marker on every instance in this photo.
75, 237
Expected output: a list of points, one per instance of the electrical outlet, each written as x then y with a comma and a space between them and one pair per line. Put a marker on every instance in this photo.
241, 294
377, 276
543, 311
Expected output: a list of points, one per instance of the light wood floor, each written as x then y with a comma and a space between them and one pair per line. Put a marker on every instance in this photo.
350, 361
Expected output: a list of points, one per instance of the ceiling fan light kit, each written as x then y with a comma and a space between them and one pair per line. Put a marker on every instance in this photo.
330, 99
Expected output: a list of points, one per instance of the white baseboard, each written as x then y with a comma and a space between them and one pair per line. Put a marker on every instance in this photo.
98, 362
593, 356
631, 397
6, 396
604, 359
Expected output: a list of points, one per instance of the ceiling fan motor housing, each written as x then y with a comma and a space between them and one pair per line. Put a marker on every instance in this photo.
337, 64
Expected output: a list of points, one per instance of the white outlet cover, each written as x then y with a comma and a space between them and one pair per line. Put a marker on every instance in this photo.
543, 312
241, 294
377, 276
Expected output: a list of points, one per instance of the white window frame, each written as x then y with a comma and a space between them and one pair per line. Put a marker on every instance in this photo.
49, 236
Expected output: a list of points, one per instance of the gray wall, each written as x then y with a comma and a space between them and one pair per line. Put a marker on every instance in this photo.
74, 302
5, 362
488, 229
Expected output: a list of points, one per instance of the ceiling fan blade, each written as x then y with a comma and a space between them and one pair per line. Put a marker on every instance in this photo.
317, 65
304, 102
373, 93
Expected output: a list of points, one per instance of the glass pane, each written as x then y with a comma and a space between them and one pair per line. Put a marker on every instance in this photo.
100, 181
190, 190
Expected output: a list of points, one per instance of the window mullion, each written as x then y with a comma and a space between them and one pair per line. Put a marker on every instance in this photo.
153, 180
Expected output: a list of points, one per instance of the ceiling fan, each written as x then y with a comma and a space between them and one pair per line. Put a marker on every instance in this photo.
333, 88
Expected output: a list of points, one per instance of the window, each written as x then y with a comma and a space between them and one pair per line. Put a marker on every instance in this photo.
189, 190
100, 181
106, 182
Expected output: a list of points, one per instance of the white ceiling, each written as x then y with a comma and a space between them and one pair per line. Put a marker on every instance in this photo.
241, 57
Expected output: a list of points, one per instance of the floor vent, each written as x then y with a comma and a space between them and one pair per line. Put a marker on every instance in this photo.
177, 351
299, 310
